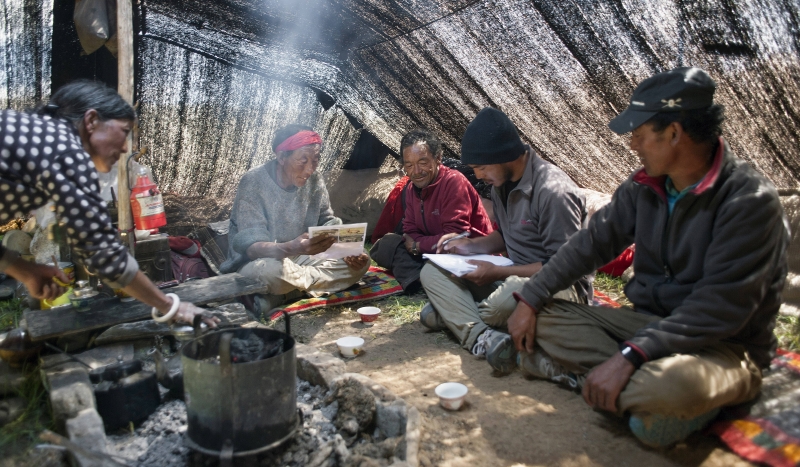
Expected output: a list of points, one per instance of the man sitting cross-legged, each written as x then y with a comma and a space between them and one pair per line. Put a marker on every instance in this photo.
537, 208
275, 205
438, 201
710, 264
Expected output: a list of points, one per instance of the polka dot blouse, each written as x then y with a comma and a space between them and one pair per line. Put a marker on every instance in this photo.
42, 159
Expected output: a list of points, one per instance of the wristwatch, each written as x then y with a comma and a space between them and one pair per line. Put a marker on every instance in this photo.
415, 249
631, 355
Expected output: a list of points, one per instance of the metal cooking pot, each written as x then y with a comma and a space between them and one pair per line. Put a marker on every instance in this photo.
239, 409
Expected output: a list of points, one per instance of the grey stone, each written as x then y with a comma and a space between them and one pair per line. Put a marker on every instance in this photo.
106, 355
321, 456
11, 408
391, 418
11, 379
340, 448
69, 387
231, 313
316, 367
86, 430
383, 394
410, 443
77, 341
356, 402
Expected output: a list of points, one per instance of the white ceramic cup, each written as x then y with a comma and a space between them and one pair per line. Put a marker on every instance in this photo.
451, 395
350, 346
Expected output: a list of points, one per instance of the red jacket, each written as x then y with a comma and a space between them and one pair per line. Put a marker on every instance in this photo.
392, 213
448, 205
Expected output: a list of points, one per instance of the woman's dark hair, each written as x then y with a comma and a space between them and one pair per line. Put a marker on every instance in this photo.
71, 101
422, 135
287, 132
702, 125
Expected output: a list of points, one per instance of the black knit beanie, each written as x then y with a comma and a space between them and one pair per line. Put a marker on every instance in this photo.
491, 138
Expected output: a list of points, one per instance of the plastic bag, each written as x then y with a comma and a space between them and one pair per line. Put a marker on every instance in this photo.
95, 21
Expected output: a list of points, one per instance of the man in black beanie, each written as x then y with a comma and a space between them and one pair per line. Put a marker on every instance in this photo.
537, 207
710, 264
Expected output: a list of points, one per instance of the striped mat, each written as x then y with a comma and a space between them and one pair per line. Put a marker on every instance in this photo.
769, 432
376, 283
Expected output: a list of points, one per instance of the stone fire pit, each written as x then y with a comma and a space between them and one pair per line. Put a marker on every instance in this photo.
348, 420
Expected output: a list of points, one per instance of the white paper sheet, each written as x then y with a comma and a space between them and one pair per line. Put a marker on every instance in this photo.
458, 264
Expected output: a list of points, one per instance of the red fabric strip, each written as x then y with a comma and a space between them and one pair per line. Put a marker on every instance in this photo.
298, 140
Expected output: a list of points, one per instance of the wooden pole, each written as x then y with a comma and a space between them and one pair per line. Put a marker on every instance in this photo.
125, 89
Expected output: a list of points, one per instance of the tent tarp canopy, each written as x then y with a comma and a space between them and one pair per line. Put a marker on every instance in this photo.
215, 79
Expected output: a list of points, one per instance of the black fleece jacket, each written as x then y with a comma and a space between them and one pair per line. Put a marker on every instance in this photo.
713, 270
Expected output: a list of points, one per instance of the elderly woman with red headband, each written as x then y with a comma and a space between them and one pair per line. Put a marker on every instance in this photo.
275, 205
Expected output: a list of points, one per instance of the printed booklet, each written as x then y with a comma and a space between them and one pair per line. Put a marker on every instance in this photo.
349, 239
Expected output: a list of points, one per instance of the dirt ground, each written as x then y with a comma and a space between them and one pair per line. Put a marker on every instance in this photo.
508, 420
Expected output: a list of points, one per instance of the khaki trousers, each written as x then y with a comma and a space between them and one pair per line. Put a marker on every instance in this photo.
314, 276
468, 309
580, 337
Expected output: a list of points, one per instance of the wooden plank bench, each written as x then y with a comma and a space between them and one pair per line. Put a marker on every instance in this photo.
47, 324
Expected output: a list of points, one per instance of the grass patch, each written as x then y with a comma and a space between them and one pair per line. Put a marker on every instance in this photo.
612, 286
10, 313
403, 309
21, 434
787, 328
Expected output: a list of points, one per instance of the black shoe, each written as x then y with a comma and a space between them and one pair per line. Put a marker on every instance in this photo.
500, 352
430, 318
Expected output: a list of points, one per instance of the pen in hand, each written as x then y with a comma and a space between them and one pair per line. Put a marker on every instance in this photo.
461, 235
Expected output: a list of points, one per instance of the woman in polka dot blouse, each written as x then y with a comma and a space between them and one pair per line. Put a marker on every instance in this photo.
53, 154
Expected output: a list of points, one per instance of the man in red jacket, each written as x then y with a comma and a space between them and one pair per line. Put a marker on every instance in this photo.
438, 201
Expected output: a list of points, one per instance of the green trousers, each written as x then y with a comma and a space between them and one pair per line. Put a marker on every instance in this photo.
580, 337
469, 310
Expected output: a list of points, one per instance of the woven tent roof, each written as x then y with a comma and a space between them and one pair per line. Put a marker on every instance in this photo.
215, 79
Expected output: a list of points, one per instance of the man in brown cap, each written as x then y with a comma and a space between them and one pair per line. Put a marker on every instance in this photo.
710, 264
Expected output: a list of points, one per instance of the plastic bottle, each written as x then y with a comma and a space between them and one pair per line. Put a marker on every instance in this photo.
146, 203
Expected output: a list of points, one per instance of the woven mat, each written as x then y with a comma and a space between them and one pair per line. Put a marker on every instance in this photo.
601, 299
376, 283
768, 429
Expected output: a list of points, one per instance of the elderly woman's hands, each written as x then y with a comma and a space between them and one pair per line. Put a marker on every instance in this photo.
357, 262
187, 312
303, 245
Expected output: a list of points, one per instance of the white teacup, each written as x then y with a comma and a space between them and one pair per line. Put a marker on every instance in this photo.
451, 395
350, 346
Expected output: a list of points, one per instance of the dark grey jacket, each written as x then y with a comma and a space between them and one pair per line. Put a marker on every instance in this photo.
714, 269
542, 212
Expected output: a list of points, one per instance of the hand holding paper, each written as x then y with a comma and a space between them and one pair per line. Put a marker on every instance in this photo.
348, 239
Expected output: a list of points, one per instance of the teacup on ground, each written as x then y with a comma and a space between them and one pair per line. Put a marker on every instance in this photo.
451, 395
350, 346
369, 314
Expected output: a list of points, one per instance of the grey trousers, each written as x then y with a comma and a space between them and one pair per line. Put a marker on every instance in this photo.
580, 337
469, 310
314, 276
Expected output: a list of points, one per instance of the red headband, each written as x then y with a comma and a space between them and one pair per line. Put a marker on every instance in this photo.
298, 140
